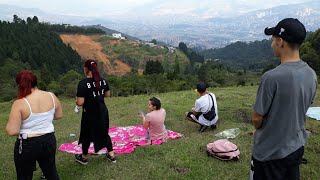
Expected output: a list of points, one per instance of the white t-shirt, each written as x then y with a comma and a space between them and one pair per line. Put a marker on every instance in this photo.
203, 104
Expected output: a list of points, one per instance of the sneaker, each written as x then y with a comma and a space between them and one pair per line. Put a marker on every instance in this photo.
43, 176
203, 128
112, 159
213, 126
80, 159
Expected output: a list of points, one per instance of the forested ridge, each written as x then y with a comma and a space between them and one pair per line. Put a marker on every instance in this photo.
36, 46
310, 51
258, 55
252, 56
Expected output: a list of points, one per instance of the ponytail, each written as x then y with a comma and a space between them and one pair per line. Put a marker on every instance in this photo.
93, 67
96, 75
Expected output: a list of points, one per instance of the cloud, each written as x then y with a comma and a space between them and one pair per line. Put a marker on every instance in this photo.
173, 11
159, 7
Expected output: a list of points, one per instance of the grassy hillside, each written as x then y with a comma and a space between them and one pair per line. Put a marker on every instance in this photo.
121, 56
136, 54
177, 159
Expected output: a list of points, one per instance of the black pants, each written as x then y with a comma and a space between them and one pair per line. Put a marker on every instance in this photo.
191, 119
280, 169
95, 128
41, 149
86, 145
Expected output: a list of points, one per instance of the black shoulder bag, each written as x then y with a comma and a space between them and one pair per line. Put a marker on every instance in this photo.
211, 114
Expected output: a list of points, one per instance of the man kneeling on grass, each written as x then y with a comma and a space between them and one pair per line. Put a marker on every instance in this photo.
205, 111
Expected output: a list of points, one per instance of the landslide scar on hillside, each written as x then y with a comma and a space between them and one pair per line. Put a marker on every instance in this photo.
87, 48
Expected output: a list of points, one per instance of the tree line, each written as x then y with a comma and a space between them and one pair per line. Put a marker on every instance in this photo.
33, 45
252, 56
258, 55
310, 50
191, 54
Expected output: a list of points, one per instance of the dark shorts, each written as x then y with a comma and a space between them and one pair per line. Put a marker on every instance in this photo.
286, 168
189, 116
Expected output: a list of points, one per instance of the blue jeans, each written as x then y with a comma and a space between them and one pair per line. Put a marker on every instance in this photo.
148, 135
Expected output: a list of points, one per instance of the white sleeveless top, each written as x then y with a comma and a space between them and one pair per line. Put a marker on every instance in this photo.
38, 123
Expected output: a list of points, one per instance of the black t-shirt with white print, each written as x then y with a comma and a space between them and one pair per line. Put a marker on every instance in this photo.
87, 89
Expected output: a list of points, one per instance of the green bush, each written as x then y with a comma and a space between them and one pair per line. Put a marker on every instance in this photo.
8, 92
69, 83
241, 82
55, 88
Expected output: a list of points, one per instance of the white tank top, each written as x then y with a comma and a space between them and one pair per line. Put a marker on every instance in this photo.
38, 123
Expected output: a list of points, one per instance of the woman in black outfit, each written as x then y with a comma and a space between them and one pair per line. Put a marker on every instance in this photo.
95, 117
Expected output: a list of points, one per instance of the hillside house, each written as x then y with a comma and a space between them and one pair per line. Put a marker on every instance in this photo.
66, 25
150, 44
117, 35
171, 49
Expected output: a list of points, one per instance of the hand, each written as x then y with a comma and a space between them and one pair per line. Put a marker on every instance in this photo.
77, 109
141, 115
253, 132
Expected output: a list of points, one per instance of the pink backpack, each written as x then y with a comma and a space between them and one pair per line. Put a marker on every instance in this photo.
223, 149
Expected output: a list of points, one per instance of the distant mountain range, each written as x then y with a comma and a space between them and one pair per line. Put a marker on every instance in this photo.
219, 32
195, 31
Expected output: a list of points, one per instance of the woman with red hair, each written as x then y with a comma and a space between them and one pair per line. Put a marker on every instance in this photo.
30, 120
95, 117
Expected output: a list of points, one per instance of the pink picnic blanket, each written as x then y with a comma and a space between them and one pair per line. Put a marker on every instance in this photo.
124, 140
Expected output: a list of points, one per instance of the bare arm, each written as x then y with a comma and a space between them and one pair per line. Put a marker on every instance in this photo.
107, 94
145, 124
196, 113
58, 113
257, 120
15, 118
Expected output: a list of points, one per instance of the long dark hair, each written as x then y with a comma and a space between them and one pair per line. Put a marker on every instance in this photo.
93, 67
25, 80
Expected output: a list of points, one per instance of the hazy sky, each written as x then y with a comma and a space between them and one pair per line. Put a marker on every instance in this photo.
160, 7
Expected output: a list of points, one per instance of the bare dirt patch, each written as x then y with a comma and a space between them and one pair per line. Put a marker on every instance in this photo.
87, 48
113, 42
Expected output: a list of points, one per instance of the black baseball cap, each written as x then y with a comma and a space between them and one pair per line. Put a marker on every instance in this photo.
201, 86
289, 29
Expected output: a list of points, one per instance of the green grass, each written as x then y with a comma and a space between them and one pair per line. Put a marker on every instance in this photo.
128, 51
177, 159
249, 78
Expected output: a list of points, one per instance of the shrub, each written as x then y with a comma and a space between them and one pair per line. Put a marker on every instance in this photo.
241, 82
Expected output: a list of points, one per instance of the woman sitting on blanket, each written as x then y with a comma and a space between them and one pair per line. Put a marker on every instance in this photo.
154, 121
